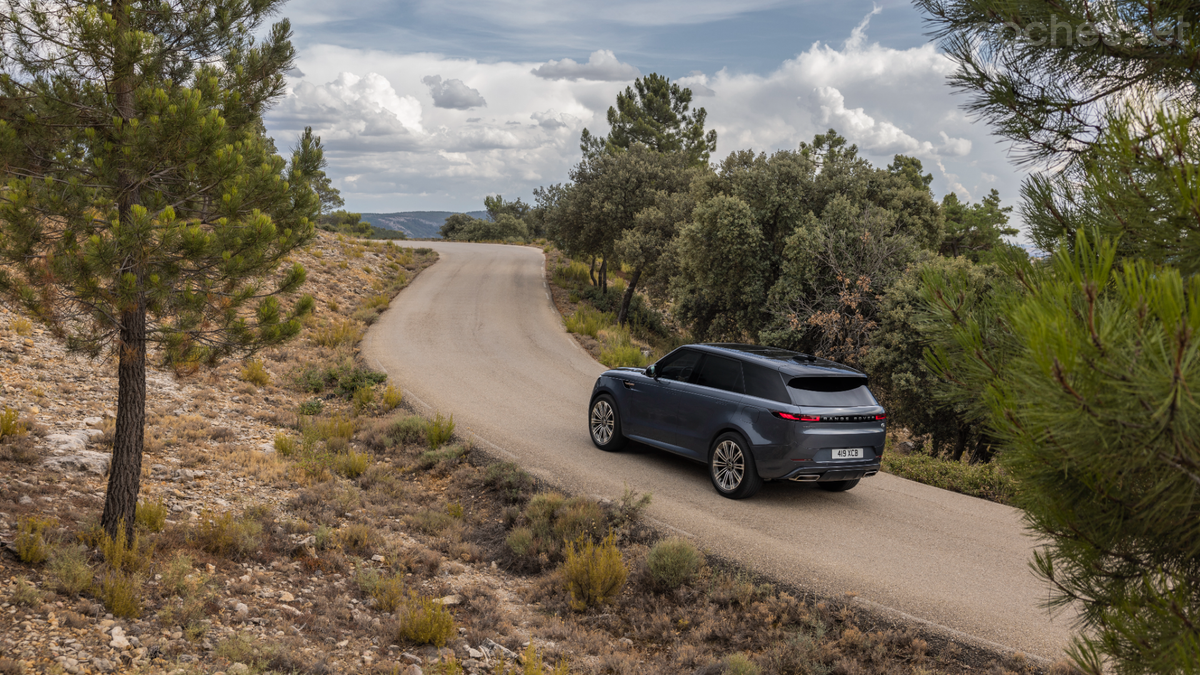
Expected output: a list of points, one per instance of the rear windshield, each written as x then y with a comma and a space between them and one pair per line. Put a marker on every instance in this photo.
830, 392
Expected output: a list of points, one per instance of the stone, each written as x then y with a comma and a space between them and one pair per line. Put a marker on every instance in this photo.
474, 653
66, 442
25, 499
411, 658
241, 610
284, 596
449, 600
82, 460
119, 641
377, 558
93, 421
103, 665
905, 448
238, 669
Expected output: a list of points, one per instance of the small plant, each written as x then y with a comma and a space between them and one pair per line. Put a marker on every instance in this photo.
32, 548
630, 507
521, 541
447, 456
121, 553
175, 577
363, 398
439, 431
392, 397
344, 332
25, 594
589, 321
10, 425
256, 374
151, 516
323, 429
121, 594
388, 592
424, 621
324, 537
358, 538
285, 445
431, 521
455, 510
513, 482
594, 573
22, 327
69, 569
227, 536
312, 406
352, 464
673, 562
408, 430
740, 664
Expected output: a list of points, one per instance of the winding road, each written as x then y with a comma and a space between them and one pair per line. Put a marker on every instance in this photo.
477, 335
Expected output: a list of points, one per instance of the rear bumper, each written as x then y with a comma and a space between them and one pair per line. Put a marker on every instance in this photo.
842, 471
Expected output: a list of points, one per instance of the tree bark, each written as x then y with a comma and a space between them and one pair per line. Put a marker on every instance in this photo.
960, 444
604, 276
623, 314
125, 471
592, 272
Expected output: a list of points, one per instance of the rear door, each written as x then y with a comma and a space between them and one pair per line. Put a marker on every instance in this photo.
708, 403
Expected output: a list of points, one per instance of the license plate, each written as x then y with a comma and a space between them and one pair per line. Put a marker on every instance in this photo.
847, 453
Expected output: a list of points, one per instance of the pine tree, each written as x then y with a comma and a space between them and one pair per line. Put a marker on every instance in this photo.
143, 204
659, 116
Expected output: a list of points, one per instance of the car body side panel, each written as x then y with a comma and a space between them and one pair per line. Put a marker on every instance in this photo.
703, 412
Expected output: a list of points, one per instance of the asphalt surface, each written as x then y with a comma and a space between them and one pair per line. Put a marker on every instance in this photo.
477, 335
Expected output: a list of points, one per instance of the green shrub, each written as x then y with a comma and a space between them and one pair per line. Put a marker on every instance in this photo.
324, 537
673, 562
312, 406
424, 621
25, 594
344, 332
444, 457
32, 547
392, 397
520, 540
358, 538
431, 521
151, 516
227, 536
630, 507
410, 430
121, 594
388, 593
593, 573
363, 398
22, 327
573, 275
256, 374
10, 425
987, 481
352, 464
439, 430
69, 569
617, 349
123, 554
175, 576
344, 379
513, 482
587, 320
554, 519
314, 429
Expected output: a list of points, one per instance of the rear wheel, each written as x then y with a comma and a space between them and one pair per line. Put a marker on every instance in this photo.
837, 485
731, 467
605, 424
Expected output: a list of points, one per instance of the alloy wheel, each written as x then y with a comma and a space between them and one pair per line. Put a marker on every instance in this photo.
602, 422
728, 466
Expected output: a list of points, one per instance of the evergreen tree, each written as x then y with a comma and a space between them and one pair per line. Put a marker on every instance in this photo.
976, 229
142, 204
658, 115
310, 146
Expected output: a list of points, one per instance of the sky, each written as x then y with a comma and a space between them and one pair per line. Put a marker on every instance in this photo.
434, 104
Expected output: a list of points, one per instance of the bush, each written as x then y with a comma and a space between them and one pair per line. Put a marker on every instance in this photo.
618, 349
572, 276
444, 457
352, 464
344, 379
987, 481
513, 482
227, 536
363, 398
121, 595
69, 569
22, 327
26, 594
388, 593
588, 320
312, 406
358, 538
431, 521
594, 573
344, 332
740, 664
520, 540
175, 577
673, 562
256, 374
409, 430
285, 445
425, 622
151, 516
439, 430
324, 429
122, 553
32, 548
10, 425
392, 397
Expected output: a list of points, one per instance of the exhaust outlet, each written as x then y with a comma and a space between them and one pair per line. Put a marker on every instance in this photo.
869, 474
808, 478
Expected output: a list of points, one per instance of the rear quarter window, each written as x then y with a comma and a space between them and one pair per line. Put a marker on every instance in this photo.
830, 392
765, 383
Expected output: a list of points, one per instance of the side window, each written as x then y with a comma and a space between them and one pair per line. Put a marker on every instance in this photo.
678, 366
765, 383
721, 373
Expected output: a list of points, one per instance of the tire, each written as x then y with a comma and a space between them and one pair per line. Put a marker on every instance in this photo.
731, 467
837, 485
604, 424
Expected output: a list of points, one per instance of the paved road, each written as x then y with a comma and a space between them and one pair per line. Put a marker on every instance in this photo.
477, 335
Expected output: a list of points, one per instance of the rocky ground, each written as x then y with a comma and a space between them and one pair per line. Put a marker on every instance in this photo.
299, 519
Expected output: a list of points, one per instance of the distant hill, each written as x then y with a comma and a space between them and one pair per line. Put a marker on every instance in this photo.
416, 224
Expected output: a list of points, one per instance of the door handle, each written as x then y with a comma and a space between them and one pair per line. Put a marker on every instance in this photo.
628, 384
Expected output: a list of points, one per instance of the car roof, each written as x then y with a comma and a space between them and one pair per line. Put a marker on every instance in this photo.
784, 360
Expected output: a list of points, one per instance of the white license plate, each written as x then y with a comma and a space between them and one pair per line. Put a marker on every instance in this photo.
847, 453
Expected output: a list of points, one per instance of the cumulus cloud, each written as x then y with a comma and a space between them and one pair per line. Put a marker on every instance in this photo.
873, 135
553, 120
698, 83
453, 94
601, 65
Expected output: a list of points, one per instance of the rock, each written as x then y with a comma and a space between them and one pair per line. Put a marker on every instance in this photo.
93, 421
411, 658
238, 669
626, 641
492, 649
82, 460
284, 596
241, 610
449, 600
474, 653
905, 448
119, 641
25, 500
377, 558
67, 442
103, 665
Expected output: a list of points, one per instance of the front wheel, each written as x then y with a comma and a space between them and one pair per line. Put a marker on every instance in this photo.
731, 467
605, 424
837, 485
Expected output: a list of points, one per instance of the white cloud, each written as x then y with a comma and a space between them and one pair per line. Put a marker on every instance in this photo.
453, 94
601, 65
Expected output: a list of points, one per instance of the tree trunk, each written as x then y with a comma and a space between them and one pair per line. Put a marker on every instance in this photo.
623, 314
125, 472
960, 444
604, 276
592, 272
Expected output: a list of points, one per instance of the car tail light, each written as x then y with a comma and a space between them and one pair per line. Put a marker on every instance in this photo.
792, 417
880, 418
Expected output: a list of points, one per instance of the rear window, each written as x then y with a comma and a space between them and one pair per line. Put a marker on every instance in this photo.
830, 392
765, 383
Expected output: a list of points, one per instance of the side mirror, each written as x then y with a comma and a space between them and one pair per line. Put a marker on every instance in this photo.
651, 371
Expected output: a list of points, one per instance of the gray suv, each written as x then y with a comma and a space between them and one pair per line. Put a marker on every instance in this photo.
751, 413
